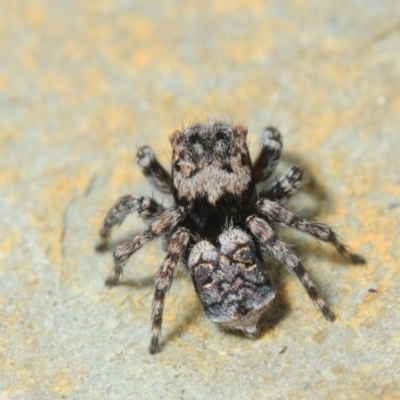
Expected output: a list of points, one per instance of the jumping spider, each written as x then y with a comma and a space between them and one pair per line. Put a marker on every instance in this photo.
219, 228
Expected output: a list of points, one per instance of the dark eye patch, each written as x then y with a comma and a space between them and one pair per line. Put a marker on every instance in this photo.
194, 138
227, 168
221, 136
177, 165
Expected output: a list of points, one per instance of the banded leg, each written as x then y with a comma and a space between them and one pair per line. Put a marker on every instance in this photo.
177, 246
285, 187
165, 223
153, 170
265, 234
265, 163
147, 208
318, 230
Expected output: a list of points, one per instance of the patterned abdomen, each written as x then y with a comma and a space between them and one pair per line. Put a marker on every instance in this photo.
231, 281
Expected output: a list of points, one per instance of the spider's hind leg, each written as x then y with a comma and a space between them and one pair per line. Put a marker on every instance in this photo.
265, 234
177, 246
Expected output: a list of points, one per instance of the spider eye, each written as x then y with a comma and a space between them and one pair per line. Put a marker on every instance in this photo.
177, 165
221, 136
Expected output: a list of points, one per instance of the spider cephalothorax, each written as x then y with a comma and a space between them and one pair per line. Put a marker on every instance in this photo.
211, 177
219, 228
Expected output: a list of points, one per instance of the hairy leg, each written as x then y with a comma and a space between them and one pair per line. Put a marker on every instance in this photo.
146, 207
320, 231
266, 161
153, 170
164, 224
285, 187
265, 234
177, 246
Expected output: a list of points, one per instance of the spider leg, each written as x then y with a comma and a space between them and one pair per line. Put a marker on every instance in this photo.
177, 246
165, 223
153, 170
266, 161
265, 234
149, 210
320, 231
285, 187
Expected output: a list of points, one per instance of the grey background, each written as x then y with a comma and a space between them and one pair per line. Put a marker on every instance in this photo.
83, 84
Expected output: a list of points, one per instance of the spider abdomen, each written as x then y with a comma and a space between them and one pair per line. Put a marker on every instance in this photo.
231, 281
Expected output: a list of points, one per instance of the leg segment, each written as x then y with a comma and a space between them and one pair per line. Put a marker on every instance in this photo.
320, 231
147, 208
153, 171
179, 241
265, 234
266, 162
165, 223
285, 187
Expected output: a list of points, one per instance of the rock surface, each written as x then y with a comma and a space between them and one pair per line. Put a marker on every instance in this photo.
84, 83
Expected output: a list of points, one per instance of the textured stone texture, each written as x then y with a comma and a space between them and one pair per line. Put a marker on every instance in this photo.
84, 83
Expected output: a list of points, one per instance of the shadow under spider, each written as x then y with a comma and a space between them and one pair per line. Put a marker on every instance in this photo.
185, 321
280, 307
192, 310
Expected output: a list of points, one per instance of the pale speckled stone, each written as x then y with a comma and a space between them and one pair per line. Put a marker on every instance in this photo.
83, 84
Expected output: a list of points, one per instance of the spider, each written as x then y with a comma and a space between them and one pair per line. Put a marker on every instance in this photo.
219, 228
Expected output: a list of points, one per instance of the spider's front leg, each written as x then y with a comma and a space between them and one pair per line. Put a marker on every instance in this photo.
266, 161
266, 235
177, 246
275, 213
165, 223
153, 170
147, 208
